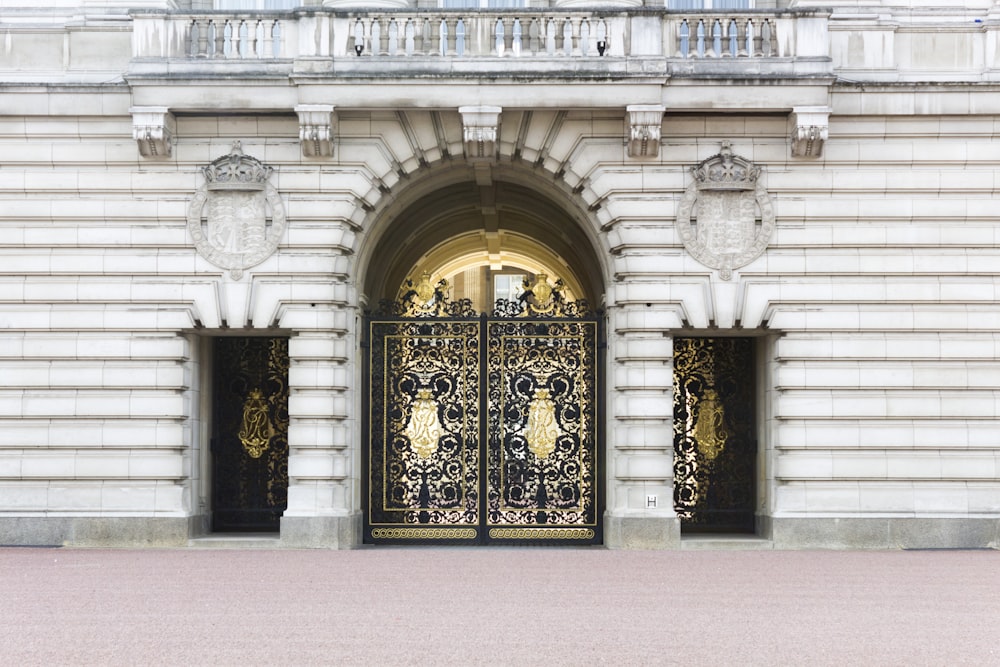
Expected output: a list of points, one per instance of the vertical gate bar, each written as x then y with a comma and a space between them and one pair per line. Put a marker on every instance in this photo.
484, 443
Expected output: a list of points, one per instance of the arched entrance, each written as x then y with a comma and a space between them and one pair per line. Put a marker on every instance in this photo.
483, 360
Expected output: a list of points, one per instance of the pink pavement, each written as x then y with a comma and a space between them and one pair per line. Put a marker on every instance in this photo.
498, 606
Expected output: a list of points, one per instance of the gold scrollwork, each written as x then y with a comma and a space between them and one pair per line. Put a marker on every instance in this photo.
425, 533
424, 428
541, 533
256, 431
542, 429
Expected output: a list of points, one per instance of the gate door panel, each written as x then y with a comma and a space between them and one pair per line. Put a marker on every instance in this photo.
541, 427
249, 433
714, 436
482, 429
424, 453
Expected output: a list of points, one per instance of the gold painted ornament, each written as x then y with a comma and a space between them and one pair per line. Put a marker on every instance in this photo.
256, 430
542, 430
424, 428
710, 428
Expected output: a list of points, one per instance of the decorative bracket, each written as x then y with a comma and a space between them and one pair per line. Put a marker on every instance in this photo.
317, 128
153, 130
644, 129
810, 128
480, 129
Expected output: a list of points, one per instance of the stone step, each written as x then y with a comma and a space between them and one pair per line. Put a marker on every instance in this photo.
236, 541
725, 542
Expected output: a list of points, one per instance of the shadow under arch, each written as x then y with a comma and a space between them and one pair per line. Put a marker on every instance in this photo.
503, 212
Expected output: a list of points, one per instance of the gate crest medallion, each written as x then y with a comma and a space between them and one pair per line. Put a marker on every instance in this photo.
725, 218
236, 217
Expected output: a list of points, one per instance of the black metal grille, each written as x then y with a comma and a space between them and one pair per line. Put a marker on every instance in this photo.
482, 429
714, 441
249, 434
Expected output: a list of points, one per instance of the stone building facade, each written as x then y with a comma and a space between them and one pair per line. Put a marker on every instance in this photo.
817, 179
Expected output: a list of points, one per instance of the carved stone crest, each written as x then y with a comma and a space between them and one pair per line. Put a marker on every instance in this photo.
236, 218
725, 217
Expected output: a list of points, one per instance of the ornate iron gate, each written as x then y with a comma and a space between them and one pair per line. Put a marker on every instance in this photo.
714, 443
249, 434
482, 428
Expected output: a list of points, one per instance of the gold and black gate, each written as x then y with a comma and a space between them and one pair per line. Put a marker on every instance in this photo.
483, 428
249, 433
715, 446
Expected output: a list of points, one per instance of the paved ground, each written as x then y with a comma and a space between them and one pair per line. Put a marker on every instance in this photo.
499, 606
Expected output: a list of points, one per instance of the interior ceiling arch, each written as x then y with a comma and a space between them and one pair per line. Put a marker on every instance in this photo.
502, 221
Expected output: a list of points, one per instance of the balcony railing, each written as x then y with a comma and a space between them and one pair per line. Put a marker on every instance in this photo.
465, 34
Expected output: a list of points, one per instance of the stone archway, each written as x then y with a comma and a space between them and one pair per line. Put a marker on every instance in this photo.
452, 450
498, 221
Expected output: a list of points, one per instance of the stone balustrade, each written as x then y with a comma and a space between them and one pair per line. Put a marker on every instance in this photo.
463, 34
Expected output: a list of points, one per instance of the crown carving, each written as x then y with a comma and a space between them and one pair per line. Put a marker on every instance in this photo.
726, 171
236, 171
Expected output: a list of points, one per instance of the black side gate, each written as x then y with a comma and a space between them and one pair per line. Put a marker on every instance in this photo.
715, 447
249, 434
483, 429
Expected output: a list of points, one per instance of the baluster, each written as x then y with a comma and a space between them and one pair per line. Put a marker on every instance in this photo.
216, 37
267, 39
585, 48
766, 34
717, 38
393, 37
446, 30
749, 37
733, 38
498, 41
229, 35
550, 38
258, 39
534, 37
567, 35
245, 39
408, 38
602, 37
460, 38
225, 39
194, 39
359, 37
422, 36
377, 46
701, 38
515, 43
685, 38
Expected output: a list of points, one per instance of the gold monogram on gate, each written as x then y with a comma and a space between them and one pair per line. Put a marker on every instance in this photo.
256, 431
424, 428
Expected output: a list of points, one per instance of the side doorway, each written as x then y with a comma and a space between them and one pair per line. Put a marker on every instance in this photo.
249, 434
715, 443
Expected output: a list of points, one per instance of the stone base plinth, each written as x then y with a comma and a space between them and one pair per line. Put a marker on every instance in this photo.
885, 533
641, 532
321, 532
95, 531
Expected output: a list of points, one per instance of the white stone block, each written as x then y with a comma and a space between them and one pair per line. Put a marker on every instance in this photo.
127, 497
798, 465
825, 497
890, 497
48, 465
101, 465
859, 465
